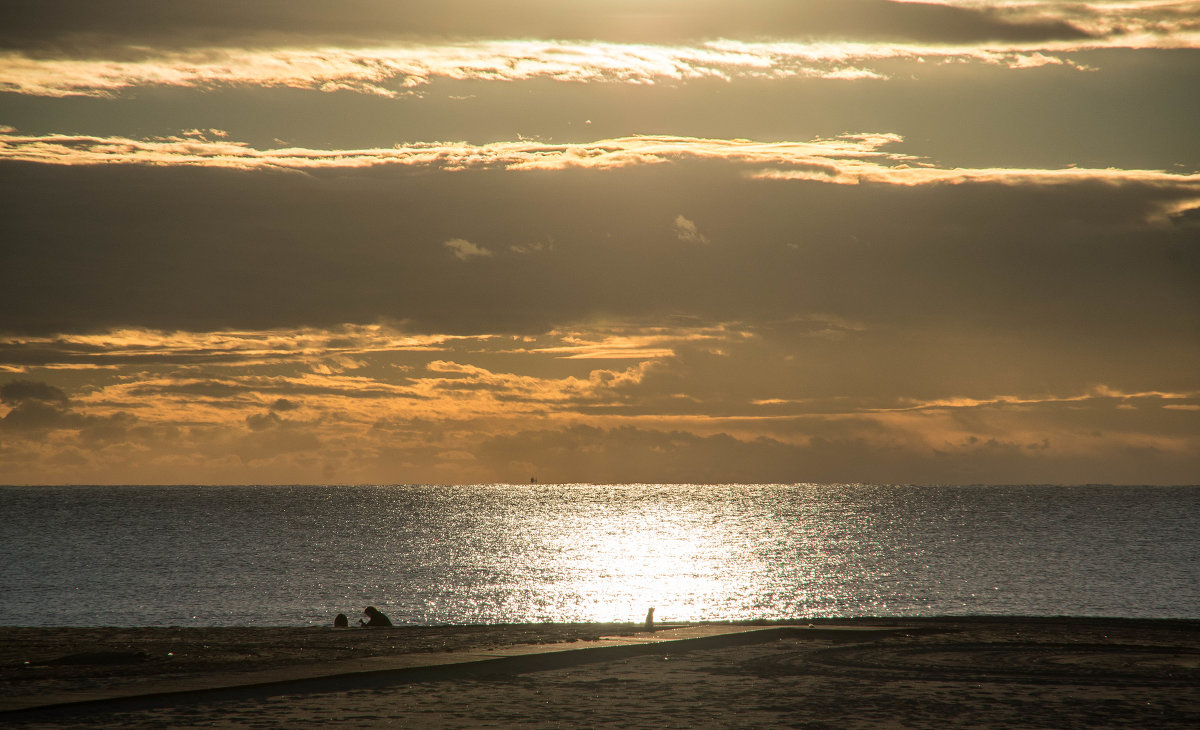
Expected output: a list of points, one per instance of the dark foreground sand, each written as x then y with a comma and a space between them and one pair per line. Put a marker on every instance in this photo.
977, 673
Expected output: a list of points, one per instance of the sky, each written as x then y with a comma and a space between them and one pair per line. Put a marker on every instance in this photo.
473, 241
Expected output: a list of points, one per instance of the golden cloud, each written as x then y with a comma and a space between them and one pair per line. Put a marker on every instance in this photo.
454, 412
848, 159
397, 70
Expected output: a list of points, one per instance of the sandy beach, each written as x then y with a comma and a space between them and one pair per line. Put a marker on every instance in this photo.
951, 672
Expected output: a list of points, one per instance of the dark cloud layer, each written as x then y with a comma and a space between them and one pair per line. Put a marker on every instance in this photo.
632, 455
97, 248
81, 24
18, 392
37, 408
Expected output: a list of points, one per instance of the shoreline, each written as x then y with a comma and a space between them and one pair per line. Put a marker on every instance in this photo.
1017, 663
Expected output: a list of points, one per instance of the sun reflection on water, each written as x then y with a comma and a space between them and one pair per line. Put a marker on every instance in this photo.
273, 556
497, 553
612, 558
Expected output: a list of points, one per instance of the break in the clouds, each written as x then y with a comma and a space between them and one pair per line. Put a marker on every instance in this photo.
632, 241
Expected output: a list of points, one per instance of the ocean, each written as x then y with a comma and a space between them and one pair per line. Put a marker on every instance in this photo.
298, 555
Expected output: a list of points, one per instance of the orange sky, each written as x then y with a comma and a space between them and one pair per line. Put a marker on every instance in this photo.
659, 241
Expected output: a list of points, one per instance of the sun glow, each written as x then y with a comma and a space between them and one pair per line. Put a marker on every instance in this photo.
623, 561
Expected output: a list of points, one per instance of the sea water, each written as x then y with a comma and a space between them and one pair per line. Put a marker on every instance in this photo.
295, 556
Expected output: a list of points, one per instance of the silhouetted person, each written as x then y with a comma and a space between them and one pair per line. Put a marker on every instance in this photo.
650, 619
340, 621
376, 618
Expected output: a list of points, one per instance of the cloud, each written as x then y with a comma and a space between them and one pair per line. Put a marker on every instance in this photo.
846, 156
629, 454
471, 391
404, 70
141, 22
38, 408
442, 387
465, 250
685, 230
1091, 254
1005, 401
836, 451
193, 45
35, 406
618, 424
372, 298
149, 347
36, 415
17, 392
263, 421
846, 160
849, 159
301, 347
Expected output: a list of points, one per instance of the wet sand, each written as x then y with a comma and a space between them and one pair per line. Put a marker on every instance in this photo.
960, 672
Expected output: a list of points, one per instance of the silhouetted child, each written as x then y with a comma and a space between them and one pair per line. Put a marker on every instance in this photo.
376, 618
340, 621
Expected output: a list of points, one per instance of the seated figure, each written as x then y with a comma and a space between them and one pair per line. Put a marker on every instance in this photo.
376, 618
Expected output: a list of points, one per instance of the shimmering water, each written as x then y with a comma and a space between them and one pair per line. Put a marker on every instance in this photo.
272, 556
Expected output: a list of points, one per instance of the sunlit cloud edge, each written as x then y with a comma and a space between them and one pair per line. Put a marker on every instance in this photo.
405, 69
846, 159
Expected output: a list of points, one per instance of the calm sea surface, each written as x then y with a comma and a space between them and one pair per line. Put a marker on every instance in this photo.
286, 556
